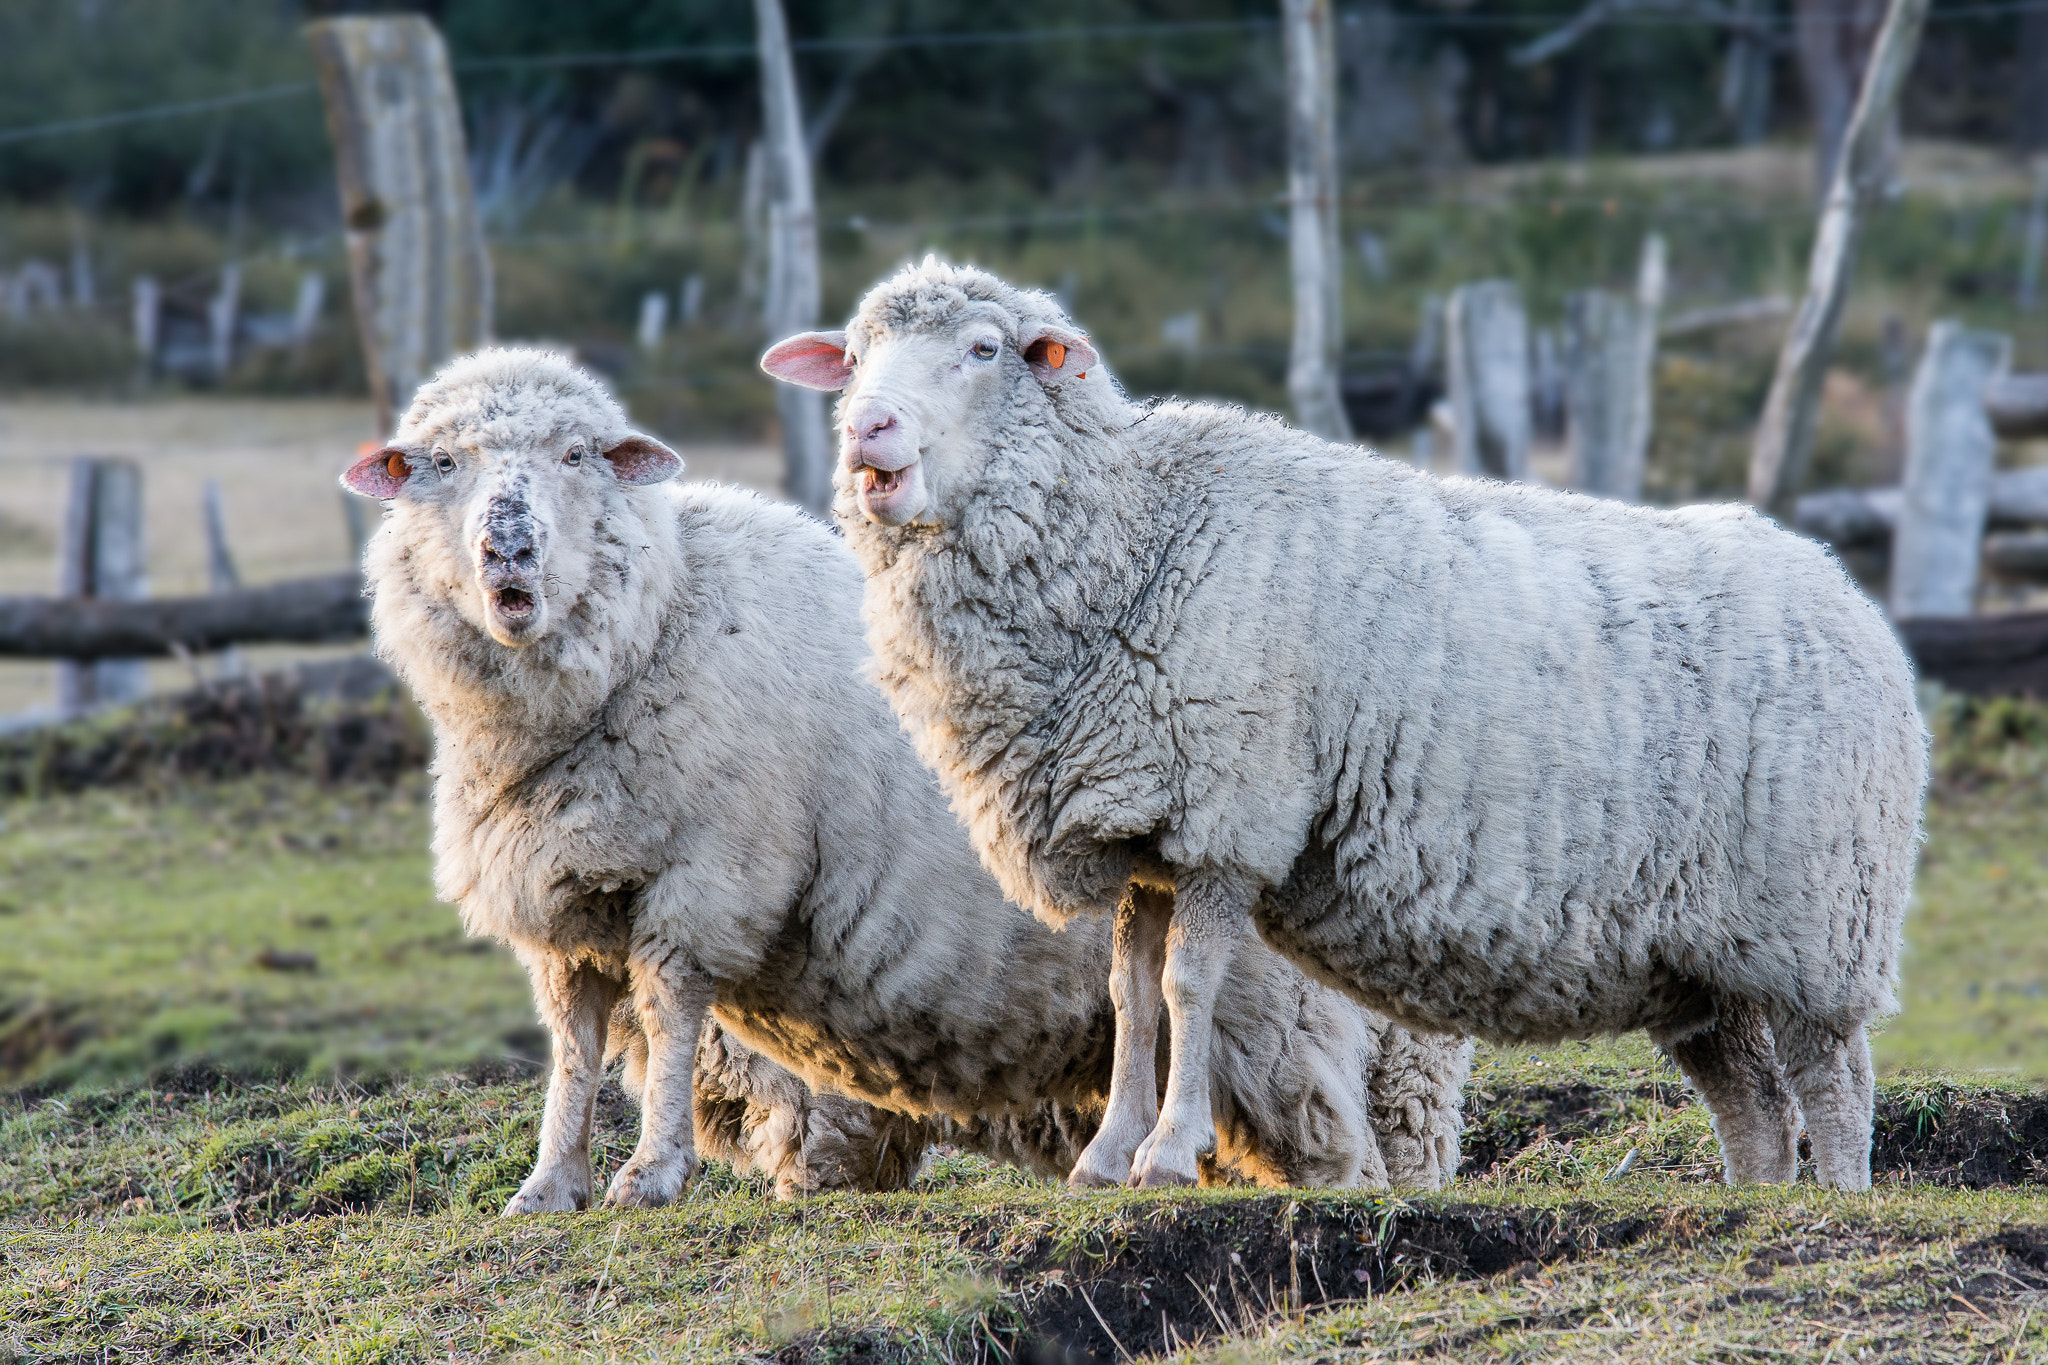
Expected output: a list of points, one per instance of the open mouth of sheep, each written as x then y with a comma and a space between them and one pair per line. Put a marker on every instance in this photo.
513, 602
880, 482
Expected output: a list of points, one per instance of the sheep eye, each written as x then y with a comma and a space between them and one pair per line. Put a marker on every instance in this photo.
443, 461
574, 457
984, 350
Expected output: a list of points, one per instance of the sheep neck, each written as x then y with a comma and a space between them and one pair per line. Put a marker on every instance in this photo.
1050, 565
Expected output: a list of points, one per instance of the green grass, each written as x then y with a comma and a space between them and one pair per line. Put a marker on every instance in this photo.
216, 1160
136, 927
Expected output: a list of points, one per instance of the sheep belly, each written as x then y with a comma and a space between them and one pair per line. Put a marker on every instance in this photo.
1431, 972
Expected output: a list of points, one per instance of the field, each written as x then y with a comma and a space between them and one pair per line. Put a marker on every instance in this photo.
264, 1101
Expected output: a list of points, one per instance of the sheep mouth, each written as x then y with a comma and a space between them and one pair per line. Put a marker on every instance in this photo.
513, 604
882, 483
890, 496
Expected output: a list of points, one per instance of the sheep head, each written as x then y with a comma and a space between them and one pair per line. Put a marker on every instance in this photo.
937, 362
501, 471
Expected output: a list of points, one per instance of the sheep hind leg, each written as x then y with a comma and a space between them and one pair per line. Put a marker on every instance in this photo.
1830, 1072
1137, 954
1733, 1066
1209, 920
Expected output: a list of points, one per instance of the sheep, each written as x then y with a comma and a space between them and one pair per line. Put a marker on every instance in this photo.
1491, 759
663, 779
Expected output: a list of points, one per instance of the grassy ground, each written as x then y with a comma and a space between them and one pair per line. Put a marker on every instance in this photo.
205, 1156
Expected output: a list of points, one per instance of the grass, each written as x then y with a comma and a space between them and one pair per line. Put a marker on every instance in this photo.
207, 1158
137, 929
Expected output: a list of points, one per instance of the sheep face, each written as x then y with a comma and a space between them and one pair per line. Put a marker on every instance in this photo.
924, 387
500, 472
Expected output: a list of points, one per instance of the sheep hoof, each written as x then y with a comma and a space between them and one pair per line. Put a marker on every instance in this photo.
1082, 1178
550, 1192
647, 1185
1158, 1177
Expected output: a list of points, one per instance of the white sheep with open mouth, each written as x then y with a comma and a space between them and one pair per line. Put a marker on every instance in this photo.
662, 776
1492, 759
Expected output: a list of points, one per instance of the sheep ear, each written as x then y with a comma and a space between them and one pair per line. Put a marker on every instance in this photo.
816, 360
642, 459
1057, 354
379, 471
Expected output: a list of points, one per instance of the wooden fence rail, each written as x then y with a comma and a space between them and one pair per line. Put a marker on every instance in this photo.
299, 611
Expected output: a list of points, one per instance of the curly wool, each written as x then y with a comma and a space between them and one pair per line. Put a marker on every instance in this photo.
1499, 759
694, 759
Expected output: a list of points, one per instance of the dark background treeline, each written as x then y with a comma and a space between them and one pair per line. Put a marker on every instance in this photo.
1192, 101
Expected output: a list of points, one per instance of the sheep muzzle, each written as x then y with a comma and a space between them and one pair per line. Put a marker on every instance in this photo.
509, 568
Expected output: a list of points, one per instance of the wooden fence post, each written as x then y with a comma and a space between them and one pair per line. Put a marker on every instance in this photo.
1315, 361
417, 262
223, 310
1487, 372
1604, 398
221, 573
1611, 348
146, 317
792, 298
1784, 435
1950, 448
100, 554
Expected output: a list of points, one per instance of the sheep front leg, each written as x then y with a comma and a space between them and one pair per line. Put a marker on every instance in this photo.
673, 995
1209, 918
575, 1003
1137, 952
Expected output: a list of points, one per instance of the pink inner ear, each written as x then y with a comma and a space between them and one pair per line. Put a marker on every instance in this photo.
816, 360
642, 459
1076, 357
375, 474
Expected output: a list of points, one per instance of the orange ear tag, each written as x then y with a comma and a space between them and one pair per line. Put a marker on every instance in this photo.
1055, 354
397, 466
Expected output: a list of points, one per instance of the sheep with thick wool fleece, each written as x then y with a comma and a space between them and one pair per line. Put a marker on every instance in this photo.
662, 776
1490, 758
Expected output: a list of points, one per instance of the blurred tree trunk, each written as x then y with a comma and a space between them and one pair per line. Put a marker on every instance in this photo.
792, 294
2030, 91
1746, 77
1834, 39
1314, 375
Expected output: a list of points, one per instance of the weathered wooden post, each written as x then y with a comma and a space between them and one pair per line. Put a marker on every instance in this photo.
1611, 348
1603, 335
421, 275
100, 554
1784, 436
222, 312
792, 291
1314, 377
1486, 369
1950, 448
221, 573
146, 318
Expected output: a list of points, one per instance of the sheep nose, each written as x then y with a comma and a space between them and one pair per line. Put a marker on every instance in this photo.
511, 544
870, 426
508, 537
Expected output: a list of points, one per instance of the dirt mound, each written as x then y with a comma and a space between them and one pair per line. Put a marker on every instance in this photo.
345, 721
1182, 1273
